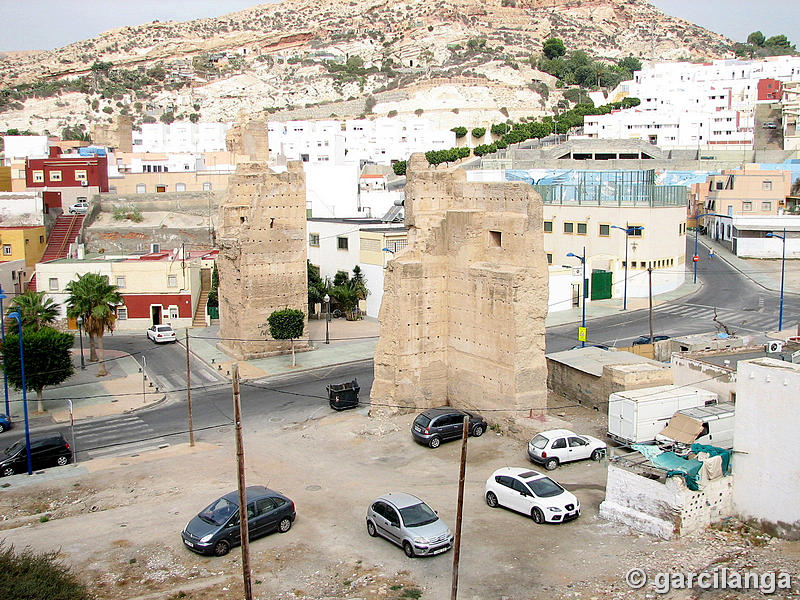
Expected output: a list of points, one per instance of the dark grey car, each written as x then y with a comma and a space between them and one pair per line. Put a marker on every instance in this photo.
46, 451
436, 425
215, 530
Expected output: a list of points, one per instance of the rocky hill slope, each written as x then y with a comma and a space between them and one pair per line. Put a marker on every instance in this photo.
404, 56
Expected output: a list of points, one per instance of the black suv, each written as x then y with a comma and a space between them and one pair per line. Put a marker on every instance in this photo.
436, 425
46, 451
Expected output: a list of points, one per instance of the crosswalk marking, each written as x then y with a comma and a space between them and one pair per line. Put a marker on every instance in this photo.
750, 320
99, 439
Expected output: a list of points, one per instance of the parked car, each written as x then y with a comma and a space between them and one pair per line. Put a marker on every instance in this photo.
215, 529
161, 334
769, 125
531, 493
645, 339
601, 346
556, 446
46, 451
79, 208
436, 425
407, 521
5, 422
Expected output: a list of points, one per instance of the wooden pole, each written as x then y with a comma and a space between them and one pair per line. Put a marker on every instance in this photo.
189, 391
243, 525
459, 509
650, 285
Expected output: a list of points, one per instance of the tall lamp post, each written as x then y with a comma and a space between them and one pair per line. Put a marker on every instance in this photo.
3, 337
79, 321
583, 290
15, 315
783, 271
327, 300
628, 230
696, 257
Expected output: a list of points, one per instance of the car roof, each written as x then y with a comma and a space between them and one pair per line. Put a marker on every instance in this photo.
400, 499
521, 472
254, 492
552, 433
440, 410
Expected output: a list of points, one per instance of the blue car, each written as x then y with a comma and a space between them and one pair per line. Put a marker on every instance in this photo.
5, 422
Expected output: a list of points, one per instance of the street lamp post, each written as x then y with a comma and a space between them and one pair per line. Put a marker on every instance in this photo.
583, 290
696, 257
627, 229
3, 334
783, 272
15, 315
79, 321
327, 300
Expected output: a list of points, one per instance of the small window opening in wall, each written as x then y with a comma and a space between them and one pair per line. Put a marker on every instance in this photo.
495, 239
242, 219
272, 222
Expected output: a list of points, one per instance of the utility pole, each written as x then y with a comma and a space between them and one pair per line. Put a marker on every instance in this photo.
189, 391
243, 524
650, 285
459, 509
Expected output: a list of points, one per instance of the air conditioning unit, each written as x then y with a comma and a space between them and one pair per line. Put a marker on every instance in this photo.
84, 183
774, 347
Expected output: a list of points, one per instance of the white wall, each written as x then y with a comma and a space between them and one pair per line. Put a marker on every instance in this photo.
560, 288
374, 275
332, 190
21, 208
378, 202
327, 256
13, 276
25, 146
766, 452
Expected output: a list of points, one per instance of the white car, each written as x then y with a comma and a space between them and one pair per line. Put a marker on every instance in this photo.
551, 448
79, 208
161, 334
531, 493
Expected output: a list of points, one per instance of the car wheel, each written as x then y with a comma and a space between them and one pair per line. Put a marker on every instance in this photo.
62, 460
408, 549
7, 471
2, 429
598, 455
538, 516
285, 525
551, 464
491, 500
371, 529
434, 442
478, 431
221, 548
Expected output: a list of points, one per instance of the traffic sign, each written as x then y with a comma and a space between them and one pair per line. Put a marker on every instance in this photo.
695, 258
582, 334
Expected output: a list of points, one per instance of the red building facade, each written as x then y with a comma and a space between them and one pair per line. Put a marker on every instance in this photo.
769, 89
67, 171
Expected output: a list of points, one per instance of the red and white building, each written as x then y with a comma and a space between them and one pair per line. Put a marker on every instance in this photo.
67, 178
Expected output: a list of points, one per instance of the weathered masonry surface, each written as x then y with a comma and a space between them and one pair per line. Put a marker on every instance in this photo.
462, 317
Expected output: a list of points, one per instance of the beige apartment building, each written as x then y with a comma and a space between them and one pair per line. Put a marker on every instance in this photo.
748, 191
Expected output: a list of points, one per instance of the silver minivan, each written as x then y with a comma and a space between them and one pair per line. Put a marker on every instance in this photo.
410, 523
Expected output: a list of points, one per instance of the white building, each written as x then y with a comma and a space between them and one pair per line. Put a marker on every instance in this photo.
746, 236
180, 137
24, 146
21, 208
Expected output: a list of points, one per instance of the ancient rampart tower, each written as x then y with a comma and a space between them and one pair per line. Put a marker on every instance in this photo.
262, 259
462, 317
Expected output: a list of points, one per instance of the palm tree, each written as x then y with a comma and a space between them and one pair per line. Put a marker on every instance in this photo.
34, 309
95, 300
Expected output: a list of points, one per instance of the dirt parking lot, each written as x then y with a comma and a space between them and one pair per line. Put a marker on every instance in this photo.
120, 527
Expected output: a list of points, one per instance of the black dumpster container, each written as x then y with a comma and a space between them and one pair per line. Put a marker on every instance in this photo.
343, 395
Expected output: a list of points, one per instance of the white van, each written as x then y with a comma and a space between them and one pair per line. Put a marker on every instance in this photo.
710, 425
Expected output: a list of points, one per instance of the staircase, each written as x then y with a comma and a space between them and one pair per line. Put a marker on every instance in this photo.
64, 232
200, 312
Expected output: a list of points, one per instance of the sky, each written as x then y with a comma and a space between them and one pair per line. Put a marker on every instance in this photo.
48, 24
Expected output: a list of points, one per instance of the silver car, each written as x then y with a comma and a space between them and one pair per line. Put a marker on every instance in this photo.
410, 523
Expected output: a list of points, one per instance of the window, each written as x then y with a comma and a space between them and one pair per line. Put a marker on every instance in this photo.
766, 205
313, 240
141, 188
55, 175
38, 176
719, 185
173, 312
605, 230
180, 187
172, 281
207, 186
548, 227
569, 227
341, 243
7, 249
80, 175
53, 284
766, 185
559, 443
122, 313
495, 239
581, 228
635, 230
41, 239
155, 248
747, 206
549, 258
120, 281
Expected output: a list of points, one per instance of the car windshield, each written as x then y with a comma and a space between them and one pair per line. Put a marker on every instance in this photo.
164, 328
539, 441
545, 487
14, 448
422, 420
418, 515
218, 512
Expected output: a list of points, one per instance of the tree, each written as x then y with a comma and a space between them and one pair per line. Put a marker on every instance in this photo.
553, 48
585, 76
48, 358
479, 132
369, 104
213, 293
95, 300
359, 282
630, 64
459, 131
34, 309
317, 287
347, 297
167, 117
778, 42
399, 167
756, 39
287, 324
30, 575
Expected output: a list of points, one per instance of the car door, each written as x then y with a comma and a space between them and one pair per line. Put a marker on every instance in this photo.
578, 448
393, 524
264, 519
521, 496
381, 510
559, 449
503, 490
42, 455
448, 426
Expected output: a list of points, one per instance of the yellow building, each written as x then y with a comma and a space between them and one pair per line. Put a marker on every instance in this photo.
26, 242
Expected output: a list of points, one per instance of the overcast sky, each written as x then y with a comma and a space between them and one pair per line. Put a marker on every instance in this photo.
48, 24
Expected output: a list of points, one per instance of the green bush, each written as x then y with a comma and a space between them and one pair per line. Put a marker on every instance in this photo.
479, 132
30, 576
399, 167
129, 212
459, 131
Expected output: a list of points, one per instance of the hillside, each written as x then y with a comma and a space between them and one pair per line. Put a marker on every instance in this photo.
410, 56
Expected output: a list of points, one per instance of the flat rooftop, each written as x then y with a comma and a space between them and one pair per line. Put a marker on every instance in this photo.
591, 360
